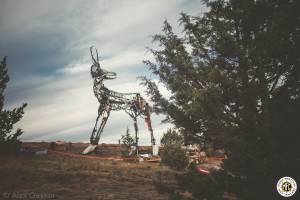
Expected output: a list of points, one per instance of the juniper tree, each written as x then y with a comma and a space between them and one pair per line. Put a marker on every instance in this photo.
172, 154
9, 142
234, 78
127, 141
171, 137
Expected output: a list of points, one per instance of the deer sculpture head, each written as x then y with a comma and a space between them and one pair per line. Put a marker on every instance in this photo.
96, 71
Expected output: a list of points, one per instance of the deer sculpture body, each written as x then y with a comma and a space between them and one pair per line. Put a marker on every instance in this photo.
132, 103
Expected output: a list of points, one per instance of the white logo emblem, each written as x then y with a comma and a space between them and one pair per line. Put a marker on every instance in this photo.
286, 186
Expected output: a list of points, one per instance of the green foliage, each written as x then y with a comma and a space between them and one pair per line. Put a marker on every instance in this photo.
195, 182
173, 155
234, 76
127, 141
9, 142
171, 137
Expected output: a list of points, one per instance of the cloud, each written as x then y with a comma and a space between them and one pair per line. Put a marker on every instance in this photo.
47, 44
127, 60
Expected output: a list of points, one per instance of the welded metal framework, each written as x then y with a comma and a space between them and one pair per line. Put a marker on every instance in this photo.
132, 103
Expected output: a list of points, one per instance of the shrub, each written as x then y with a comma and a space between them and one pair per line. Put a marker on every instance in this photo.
173, 155
127, 141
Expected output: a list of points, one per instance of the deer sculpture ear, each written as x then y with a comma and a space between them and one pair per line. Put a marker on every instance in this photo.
95, 60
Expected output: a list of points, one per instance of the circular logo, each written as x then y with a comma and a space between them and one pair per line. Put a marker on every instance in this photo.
286, 186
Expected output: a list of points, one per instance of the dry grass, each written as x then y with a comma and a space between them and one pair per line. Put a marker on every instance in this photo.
62, 177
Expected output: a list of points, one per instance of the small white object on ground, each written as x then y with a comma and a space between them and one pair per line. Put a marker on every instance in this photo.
146, 155
89, 149
43, 152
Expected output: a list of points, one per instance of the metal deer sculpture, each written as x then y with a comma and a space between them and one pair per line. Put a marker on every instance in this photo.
132, 103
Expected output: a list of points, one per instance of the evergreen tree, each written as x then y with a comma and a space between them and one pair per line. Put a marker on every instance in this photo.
172, 154
127, 141
172, 136
9, 142
234, 76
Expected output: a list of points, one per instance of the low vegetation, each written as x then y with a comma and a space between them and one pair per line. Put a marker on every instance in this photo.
173, 155
127, 142
82, 178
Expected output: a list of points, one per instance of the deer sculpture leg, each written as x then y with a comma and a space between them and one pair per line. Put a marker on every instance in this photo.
133, 113
155, 148
100, 111
103, 114
149, 125
136, 130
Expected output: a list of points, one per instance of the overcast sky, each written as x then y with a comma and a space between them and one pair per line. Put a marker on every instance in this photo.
47, 44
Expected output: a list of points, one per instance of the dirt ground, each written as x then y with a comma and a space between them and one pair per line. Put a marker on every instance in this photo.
55, 176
